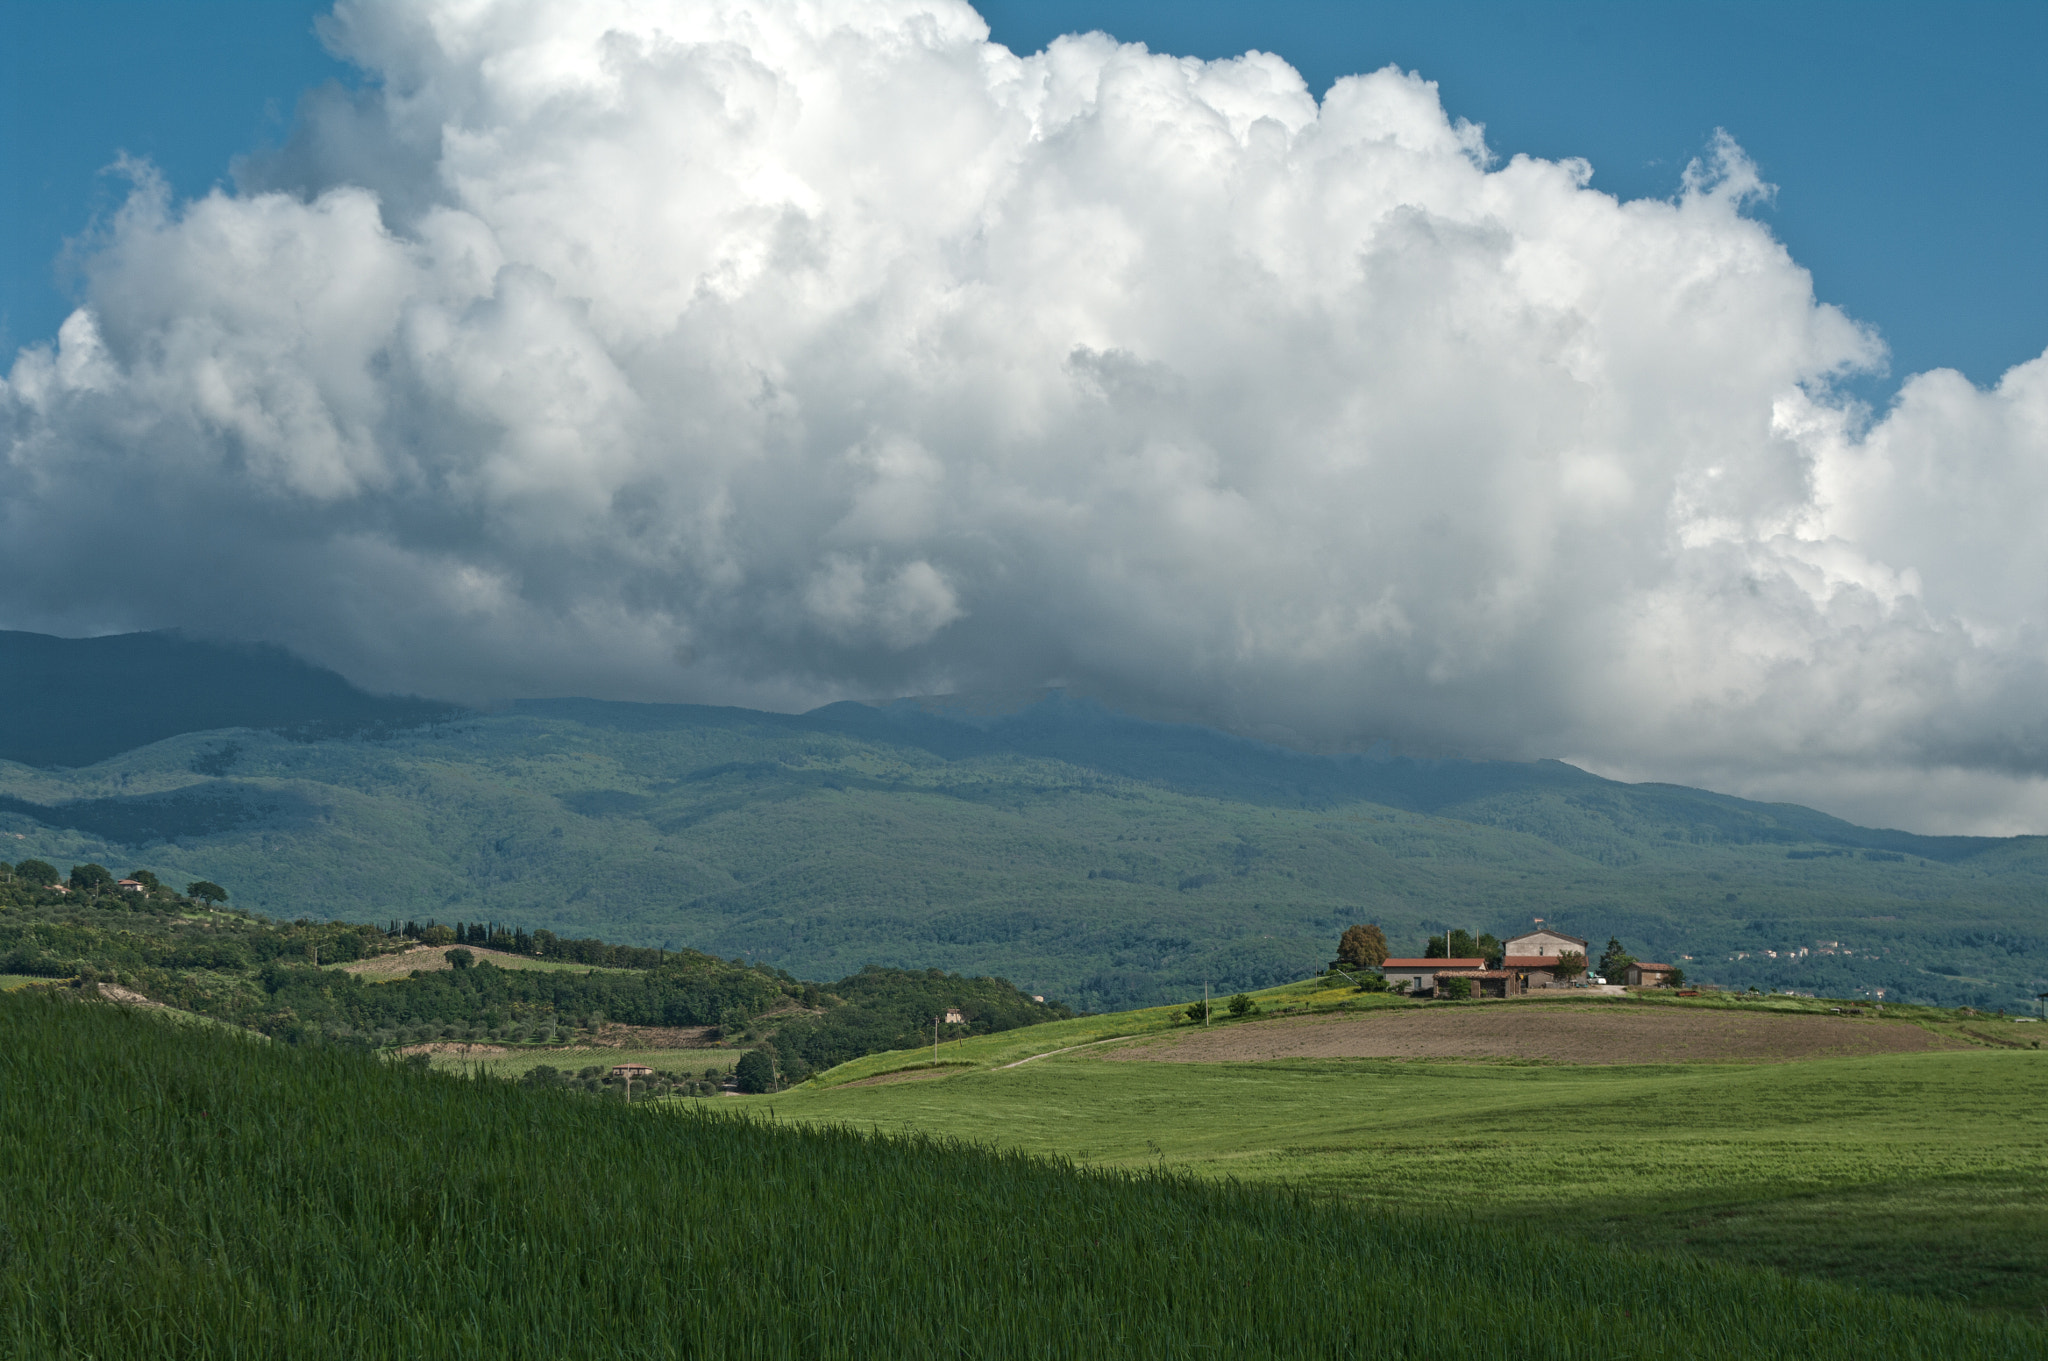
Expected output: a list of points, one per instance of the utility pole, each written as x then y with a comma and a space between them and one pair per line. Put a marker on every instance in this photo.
935, 1041
1205, 1004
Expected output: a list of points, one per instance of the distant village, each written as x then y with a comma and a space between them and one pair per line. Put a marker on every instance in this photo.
1536, 960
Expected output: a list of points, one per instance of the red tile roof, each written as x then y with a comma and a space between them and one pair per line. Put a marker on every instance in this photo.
1648, 967
1530, 962
1434, 964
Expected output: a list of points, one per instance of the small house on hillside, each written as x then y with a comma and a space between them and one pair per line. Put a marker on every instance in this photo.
1421, 974
953, 1016
1642, 975
131, 886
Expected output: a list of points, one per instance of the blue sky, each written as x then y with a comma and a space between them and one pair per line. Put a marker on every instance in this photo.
1902, 138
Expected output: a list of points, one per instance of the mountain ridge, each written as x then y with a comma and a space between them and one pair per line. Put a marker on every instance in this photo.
1107, 859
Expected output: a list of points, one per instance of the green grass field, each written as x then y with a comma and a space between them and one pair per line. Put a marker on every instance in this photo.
1918, 1173
690, 1061
203, 1195
18, 980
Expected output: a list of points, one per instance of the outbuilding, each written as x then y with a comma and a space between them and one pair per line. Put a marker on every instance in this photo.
1421, 974
1498, 983
1643, 975
1533, 971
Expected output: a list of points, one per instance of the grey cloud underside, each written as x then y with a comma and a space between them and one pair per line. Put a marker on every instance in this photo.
776, 353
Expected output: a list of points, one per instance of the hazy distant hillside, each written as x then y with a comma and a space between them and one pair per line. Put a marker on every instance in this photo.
73, 701
1098, 858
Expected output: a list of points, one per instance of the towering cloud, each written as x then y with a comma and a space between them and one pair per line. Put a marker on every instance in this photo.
774, 352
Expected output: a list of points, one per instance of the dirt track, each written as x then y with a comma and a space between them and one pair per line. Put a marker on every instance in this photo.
1610, 1033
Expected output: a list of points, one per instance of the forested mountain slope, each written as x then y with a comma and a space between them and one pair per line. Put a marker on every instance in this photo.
73, 701
1101, 859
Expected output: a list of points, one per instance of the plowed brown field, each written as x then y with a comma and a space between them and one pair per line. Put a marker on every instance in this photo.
1611, 1033
428, 959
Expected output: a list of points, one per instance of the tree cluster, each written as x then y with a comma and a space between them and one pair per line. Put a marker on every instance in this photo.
540, 944
1614, 961
1462, 944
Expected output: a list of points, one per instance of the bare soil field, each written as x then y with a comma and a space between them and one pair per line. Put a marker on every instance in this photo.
616, 1036
427, 959
456, 1049
127, 997
1596, 1034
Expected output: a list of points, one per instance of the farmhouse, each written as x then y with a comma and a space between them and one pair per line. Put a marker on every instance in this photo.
1641, 975
1532, 957
1421, 973
631, 1070
1543, 941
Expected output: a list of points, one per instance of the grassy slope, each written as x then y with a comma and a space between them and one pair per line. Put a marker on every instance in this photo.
692, 1062
209, 1196
822, 850
1917, 1173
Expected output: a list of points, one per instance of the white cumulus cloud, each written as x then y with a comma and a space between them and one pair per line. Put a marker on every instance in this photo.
777, 352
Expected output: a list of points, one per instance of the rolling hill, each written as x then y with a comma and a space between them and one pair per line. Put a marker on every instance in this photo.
204, 1195
1106, 860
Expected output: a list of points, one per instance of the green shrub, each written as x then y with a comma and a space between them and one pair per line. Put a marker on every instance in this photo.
755, 1072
